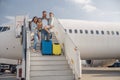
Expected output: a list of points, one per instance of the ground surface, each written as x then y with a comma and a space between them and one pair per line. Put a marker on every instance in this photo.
87, 74
7, 76
101, 74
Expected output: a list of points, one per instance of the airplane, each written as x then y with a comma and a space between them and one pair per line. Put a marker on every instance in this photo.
95, 40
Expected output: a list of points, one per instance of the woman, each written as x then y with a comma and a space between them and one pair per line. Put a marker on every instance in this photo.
34, 32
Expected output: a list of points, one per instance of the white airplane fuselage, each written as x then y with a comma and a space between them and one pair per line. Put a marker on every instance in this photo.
92, 39
10, 46
95, 40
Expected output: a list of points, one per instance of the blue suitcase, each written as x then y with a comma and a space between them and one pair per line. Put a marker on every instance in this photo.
46, 47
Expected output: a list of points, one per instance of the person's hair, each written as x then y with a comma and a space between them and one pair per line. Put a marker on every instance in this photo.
44, 16
44, 12
38, 19
50, 13
34, 18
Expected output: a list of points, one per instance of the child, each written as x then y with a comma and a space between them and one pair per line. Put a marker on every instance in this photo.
39, 27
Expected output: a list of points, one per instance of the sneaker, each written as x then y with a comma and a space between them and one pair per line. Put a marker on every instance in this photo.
34, 50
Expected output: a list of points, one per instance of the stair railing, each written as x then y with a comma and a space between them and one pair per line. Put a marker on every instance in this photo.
28, 56
26, 48
69, 48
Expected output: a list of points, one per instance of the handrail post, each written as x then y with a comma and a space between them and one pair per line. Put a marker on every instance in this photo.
79, 65
28, 57
24, 52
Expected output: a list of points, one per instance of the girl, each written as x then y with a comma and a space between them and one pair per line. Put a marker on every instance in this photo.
39, 27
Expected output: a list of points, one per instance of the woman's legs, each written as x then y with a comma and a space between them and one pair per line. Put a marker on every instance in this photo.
35, 41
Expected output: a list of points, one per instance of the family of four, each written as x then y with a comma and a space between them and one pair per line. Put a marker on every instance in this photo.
40, 27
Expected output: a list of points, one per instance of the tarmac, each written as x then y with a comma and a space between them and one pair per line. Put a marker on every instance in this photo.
88, 73
7, 76
103, 73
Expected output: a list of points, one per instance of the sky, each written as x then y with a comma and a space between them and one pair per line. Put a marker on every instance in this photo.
91, 10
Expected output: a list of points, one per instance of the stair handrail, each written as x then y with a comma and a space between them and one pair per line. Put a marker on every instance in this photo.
24, 49
27, 44
71, 51
28, 56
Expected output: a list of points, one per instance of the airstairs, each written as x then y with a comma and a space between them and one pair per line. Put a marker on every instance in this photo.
66, 66
49, 68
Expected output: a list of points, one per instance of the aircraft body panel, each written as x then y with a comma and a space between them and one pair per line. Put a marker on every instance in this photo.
92, 45
10, 46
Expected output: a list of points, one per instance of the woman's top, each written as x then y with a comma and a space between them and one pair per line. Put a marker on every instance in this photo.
34, 27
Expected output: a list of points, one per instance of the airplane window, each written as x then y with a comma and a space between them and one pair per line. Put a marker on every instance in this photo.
108, 32
86, 31
97, 32
1, 28
117, 32
8, 28
112, 32
102, 32
75, 30
81, 31
65, 30
70, 31
4, 29
91, 31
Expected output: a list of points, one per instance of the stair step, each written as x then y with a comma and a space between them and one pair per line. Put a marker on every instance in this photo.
49, 67
36, 46
51, 73
53, 78
56, 67
48, 62
38, 54
62, 58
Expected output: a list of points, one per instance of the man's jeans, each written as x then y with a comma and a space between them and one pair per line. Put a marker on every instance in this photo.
44, 35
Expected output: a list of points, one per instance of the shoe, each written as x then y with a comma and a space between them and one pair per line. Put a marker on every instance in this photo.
34, 50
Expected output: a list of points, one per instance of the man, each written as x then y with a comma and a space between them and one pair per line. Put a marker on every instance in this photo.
44, 33
45, 28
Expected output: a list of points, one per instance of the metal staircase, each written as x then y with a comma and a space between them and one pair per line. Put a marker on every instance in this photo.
50, 67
